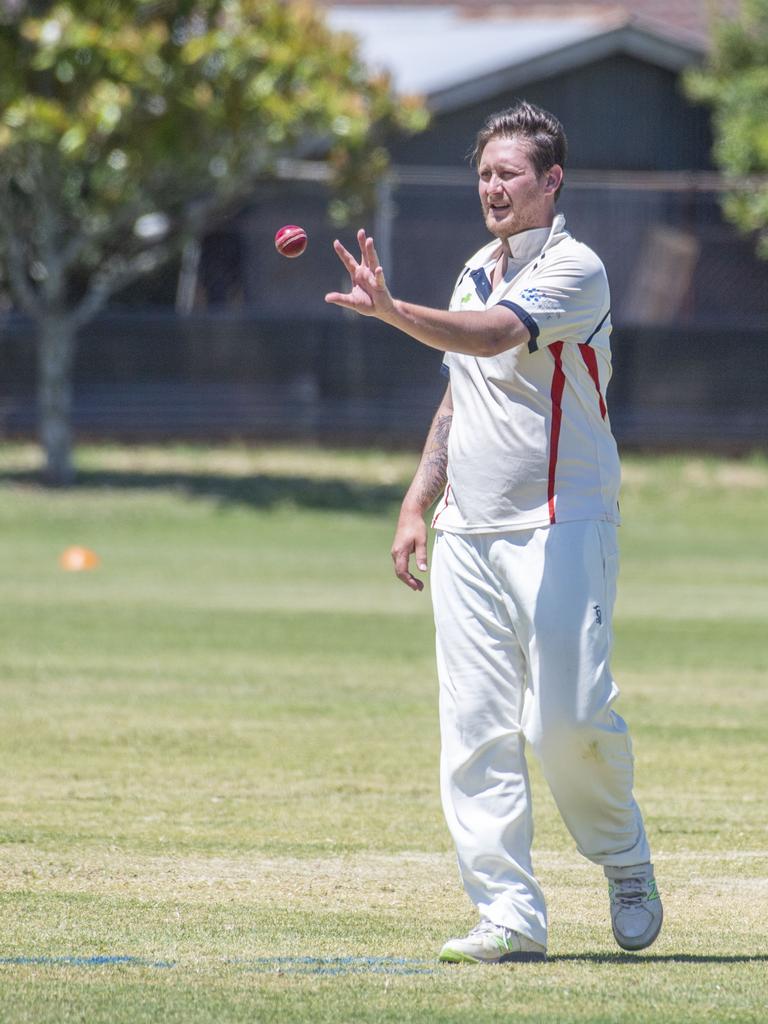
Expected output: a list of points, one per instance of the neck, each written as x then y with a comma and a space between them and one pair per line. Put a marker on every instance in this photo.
520, 243
508, 241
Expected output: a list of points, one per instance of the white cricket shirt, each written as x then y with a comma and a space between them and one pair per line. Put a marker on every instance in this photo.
530, 442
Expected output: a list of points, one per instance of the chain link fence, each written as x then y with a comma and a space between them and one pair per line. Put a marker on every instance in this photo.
257, 354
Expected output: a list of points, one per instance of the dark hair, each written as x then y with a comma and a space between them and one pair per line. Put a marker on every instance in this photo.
542, 131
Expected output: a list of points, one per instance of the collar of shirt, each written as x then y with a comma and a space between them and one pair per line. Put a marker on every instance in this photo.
525, 246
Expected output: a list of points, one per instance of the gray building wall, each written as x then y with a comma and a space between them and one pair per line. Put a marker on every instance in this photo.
619, 113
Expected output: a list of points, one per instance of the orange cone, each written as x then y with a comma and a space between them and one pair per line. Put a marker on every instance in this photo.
77, 559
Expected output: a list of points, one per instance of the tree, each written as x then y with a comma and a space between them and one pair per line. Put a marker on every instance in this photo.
128, 126
735, 84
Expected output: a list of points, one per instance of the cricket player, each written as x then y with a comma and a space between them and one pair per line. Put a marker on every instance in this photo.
525, 557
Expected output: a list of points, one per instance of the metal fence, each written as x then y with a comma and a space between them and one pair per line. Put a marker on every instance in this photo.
266, 359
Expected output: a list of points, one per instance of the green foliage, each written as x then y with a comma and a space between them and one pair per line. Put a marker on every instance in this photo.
125, 127
735, 85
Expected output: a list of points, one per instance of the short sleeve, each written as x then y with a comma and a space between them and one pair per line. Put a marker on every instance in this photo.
564, 300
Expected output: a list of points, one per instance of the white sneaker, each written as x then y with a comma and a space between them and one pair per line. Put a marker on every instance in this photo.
636, 911
490, 943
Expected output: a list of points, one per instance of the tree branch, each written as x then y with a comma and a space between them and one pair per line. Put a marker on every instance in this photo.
46, 229
116, 274
24, 292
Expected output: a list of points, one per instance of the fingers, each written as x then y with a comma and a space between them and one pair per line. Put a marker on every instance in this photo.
369, 287
365, 243
339, 299
401, 557
346, 257
421, 555
409, 580
368, 253
374, 263
369, 258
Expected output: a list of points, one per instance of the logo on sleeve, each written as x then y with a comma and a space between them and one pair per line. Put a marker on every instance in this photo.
539, 298
546, 304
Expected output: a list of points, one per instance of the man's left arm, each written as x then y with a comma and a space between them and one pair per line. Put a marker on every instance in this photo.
484, 333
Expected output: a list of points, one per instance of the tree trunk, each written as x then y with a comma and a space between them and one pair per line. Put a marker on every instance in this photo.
55, 355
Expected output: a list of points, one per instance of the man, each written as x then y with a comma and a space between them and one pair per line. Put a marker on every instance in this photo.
525, 557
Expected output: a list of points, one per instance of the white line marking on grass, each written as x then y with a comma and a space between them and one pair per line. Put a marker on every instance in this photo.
259, 965
336, 965
84, 961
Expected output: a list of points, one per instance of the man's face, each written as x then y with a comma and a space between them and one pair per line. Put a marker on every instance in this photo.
513, 198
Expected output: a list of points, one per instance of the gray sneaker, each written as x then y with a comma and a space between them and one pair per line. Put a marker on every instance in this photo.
490, 943
636, 911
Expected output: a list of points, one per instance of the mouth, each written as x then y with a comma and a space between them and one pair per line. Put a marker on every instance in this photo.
499, 209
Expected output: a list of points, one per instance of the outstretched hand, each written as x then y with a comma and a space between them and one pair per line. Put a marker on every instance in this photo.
369, 294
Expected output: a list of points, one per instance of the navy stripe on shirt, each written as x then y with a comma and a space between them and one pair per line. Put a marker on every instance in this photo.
482, 284
597, 328
527, 319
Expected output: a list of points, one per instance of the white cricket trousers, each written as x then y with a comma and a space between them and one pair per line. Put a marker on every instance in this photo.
523, 622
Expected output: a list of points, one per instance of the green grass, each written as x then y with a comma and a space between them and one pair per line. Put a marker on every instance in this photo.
220, 749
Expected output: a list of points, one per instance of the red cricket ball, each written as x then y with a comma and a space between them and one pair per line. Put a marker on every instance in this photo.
291, 241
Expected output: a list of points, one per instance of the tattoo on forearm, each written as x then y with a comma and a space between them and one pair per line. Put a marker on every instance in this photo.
433, 471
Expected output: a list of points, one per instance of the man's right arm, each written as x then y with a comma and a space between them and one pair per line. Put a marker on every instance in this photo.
426, 486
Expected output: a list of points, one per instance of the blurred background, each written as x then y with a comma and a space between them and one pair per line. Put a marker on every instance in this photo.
217, 721
227, 340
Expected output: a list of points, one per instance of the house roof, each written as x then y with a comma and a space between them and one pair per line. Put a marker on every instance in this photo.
455, 56
682, 17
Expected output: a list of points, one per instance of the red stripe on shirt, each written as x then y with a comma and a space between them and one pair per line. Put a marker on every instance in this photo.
590, 361
558, 384
445, 505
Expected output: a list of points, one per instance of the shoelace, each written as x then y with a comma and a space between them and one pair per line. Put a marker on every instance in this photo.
487, 927
629, 892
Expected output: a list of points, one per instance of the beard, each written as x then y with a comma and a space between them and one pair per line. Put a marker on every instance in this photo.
514, 221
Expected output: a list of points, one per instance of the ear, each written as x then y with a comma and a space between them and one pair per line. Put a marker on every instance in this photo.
554, 178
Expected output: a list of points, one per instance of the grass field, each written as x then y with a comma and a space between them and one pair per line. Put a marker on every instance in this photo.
219, 790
